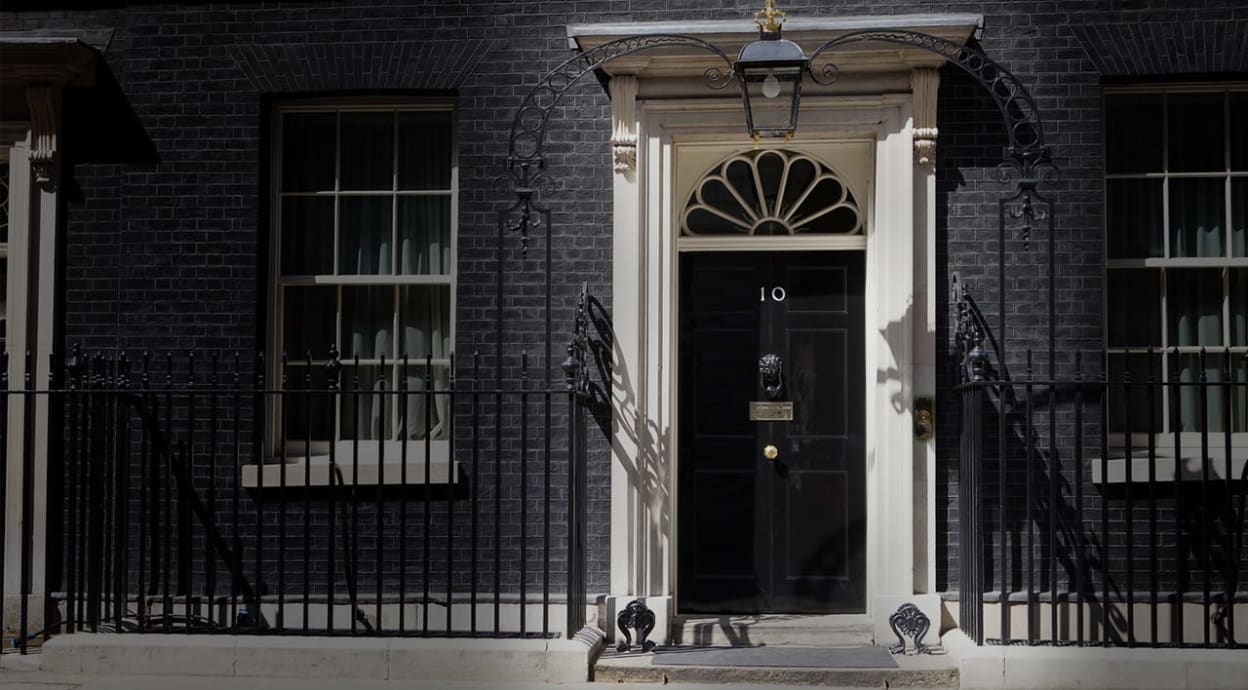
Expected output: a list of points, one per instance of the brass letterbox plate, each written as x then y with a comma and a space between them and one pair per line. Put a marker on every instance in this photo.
771, 411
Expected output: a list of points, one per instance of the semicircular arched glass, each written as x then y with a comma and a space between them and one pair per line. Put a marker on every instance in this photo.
771, 192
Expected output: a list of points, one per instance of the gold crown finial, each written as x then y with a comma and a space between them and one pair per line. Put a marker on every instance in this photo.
769, 18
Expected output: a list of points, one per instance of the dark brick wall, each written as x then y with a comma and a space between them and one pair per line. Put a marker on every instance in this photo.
166, 230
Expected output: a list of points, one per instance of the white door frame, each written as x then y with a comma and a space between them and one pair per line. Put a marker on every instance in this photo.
644, 295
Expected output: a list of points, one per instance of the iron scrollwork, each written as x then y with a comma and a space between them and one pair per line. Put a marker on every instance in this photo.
1018, 108
525, 158
968, 334
911, 622
641, 619
575, 369
1026, 157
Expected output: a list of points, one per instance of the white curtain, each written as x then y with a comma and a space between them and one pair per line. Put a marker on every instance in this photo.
425, 317
1197, 217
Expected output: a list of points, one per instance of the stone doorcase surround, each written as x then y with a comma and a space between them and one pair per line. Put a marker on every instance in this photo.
876, 127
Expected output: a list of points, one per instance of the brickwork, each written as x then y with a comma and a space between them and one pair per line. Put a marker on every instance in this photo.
167, 229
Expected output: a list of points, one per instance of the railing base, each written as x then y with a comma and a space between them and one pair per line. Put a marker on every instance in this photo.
287, 619
550, 661
1177, 625
1016, 668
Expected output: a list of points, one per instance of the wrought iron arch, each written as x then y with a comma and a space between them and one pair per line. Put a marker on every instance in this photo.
525, 141
528, 127
1018, 109
1026, 157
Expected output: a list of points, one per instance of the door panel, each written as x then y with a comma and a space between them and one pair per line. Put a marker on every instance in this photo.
783, 535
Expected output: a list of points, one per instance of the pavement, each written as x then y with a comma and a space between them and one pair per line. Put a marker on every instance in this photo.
35, 680
21, 673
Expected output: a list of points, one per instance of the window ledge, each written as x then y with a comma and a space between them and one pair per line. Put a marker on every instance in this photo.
317, 472
1191, 466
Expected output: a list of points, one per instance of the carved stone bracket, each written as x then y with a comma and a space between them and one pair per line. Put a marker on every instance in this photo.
641, 619
924, 82
623, 91
43, 101
911, 622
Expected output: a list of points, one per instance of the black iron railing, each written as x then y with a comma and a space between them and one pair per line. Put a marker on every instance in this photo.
1105, 508
189, 494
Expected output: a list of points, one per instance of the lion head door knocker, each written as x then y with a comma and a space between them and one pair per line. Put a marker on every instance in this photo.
771, 375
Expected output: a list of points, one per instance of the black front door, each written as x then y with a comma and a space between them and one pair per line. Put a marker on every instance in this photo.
772, 505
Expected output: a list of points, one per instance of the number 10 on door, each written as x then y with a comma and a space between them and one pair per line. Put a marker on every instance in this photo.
777, 294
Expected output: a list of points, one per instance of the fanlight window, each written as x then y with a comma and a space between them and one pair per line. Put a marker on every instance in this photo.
771, 192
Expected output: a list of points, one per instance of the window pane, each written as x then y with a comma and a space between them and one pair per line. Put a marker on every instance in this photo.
1239, 216
1196, 216
364, 235
308, 141
367, 412
1239, 306
4, 300
1129, 393
1135, 219
307, 236
367, 151
4, 202
1194, 301
1134, 307
425, 234
1197, 129
309, 321
1239, 393
367, 321
1129, 120
1239, 131
427, 411
1191, 416
426, 319
425, 150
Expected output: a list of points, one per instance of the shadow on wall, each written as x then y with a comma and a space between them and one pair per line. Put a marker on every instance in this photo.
101, 128
971, 145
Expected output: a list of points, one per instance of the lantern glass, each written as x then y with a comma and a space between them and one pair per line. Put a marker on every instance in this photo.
771, 97
770, 73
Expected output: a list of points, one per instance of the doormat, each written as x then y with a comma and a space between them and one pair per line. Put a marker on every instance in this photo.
782, 656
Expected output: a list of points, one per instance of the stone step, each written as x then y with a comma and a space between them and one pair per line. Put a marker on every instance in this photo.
931, 672
772, 629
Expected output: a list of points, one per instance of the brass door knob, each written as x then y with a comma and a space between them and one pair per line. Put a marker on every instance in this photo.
771, 452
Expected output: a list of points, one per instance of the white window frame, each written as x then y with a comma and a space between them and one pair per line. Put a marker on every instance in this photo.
5, 338
349, 454
1164, 440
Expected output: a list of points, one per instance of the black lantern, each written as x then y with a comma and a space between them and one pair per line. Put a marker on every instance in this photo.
770, 73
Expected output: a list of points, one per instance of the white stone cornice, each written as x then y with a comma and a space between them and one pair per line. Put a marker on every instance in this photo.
924, 83
623, 91
43, 100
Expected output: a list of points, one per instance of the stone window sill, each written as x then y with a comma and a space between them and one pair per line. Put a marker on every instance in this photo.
1191, 468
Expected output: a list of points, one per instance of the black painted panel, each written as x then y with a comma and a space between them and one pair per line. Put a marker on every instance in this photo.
771, 536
